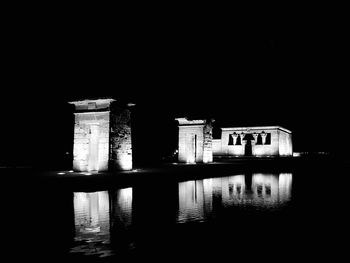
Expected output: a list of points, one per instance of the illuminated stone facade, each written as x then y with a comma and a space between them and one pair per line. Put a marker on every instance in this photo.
196, 143
195, 140
254, 141
102, 136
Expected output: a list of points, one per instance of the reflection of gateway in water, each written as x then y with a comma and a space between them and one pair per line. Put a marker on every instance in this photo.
91, 212
92, 218
198, 198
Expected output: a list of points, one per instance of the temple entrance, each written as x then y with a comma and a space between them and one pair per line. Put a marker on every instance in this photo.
192, 154
93, 148
248, 148
248, 145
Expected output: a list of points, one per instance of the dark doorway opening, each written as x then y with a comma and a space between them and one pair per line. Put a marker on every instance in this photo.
248, 146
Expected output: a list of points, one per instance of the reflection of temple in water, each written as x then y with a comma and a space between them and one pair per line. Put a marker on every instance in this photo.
96, 214
121, 210
271, 189
91, 213
197, 199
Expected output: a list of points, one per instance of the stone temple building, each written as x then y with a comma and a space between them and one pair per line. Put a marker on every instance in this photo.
102, 135
254, 141
196, 143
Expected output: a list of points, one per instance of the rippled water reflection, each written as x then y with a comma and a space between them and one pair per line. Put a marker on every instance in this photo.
104, 220
92, 223
262, 191
95, 213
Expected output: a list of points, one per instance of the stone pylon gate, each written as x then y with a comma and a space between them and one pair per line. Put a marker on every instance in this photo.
102, 135
195, 140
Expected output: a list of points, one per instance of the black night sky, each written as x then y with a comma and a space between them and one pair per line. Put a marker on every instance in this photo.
275, 75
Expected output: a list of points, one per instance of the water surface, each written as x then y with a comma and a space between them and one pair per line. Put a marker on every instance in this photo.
258, 212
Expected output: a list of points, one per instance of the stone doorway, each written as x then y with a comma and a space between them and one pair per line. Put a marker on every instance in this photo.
248, 150
192, 150
93, 158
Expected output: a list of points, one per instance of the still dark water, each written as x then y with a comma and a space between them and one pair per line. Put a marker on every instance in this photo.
275, 215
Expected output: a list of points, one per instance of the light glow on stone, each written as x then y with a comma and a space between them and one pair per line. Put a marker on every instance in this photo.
125, 162
190, 160
279, 143
102, 136
195, 141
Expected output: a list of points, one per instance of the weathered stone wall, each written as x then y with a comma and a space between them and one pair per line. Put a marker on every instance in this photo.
120, 140
208, 143
87, 125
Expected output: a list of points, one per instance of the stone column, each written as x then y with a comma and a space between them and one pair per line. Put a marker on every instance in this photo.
263, 136
255, 136
253, 142
242, 135
234, 136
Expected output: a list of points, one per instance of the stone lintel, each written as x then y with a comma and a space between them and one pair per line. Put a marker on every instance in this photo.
188, 122
99, 111
252, 129
92, 104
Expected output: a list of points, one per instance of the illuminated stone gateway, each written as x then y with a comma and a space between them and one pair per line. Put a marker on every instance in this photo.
102, 136
195, 140
197, 145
